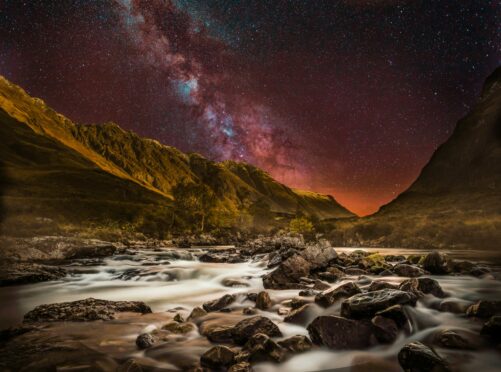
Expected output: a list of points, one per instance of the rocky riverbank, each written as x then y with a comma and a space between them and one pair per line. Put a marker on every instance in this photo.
367, 310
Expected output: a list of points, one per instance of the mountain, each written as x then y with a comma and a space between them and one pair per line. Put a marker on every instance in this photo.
57, 175
456, 200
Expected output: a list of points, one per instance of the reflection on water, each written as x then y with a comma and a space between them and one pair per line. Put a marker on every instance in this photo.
166, 283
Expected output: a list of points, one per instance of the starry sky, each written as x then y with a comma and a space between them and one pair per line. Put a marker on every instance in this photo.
345, 97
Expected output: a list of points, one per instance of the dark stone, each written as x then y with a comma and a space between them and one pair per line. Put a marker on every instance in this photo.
318, 256
84, 310
423, 285
220, 334
484, 309
179, 318
220, 303
340, 333
26, 273
130, 366
385, 329
366, 305
246, 328
377, 285
417, 357
355, 271
240, 367
300, 316
492, 328
297, 302
329, 297
408, 270
436, 263
252, 296
261, 348
332, 274
144, 341
263, 300
386, 273
288, 274
454, 306
320, 285
197, 312
249, 311
213, 257
234, 282
296, 344
453, 340
93, 250
178, 328
395, 313
308, 292
217, 357
394, 258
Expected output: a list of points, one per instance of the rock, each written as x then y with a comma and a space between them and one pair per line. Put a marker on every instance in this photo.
319, 256
252, 296
366, 305
386, 273
355, 271
385, 329
329, 297
287, 275
436, 263
340, 333
454, 305
260, 348
240, 367
217, 357
331, 274
377, 285
129, 366
297, 302
26, 273
246, 328
492, 329
12, 332
308, 292
282, 311
395, 313
263, 300
249, 311
220, 334
179, 318
424, 285
408, 270
484, 309
394, 258
196, 313
93, 249
178, 328
321, 286
144, 341
220, 303
301, 315
454, 340
417, 357
234, 282
84, 310
296, 344
415, 258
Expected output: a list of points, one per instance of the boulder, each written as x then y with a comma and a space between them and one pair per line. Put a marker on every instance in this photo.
219, 334
213, 257
320, 285
261, 348
408, 270
340, 333
484, 309
218, 357
144, 341
492, 328
220, 303
288, 274
385, 329
196, 313
93, 249
249, 311
395, 313
178, 328
246, 328
84, 310
240, 367
263, 300
417, 357
26, 273
319, 256
419, 286
454, 305
354, 271
330, 296
436, 263
296, 344
331, 274
301, 315
297, 302
179, 318
366, 305
453, 339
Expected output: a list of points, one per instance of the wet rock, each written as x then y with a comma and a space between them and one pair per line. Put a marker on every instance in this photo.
454, 305
395, 313
234, 282
340, 333
319, 256
218, 357
320, 285
252, 296
288, 274
331, 274
25, 273
372, 363
417, 357
492, 328
408, 270
93, 249
219, 334
377, 285
308, 292
296, 344
197, 312
84, 310
329, 297
394, 258
484, 309
436, 263
213, 258
366, 305
297, 302
240, 367
415, 258
385, 329
246, 328
12, 332
144, 341
130, 366
220, 303
423, 285
263, 300
178, 328
355, 271
249, 311
179, 318
454, 340
386, 272
301, 315
260, 348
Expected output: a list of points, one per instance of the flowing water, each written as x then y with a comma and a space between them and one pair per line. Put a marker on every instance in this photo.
176, 280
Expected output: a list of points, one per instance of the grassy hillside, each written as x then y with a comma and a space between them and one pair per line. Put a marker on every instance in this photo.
455, 201
86, 175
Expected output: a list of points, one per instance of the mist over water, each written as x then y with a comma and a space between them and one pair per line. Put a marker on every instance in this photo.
166, 280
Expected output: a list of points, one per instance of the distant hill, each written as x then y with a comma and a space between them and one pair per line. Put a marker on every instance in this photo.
456, 200
60, 176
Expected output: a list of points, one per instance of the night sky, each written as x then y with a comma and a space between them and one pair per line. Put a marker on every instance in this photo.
349, 97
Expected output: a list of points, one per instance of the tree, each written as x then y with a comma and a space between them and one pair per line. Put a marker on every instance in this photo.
194, 202
300, 225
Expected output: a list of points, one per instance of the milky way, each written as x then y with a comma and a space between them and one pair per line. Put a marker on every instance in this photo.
346, 97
